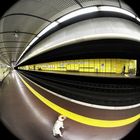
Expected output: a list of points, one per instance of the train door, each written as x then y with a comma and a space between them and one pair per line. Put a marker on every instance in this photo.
76, 65
108, 66
113, 66
91, 65
102, 66
132, 67
97, 65
68, 67
119, 66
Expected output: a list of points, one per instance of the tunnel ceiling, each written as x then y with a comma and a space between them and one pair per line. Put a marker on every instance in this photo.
26, 18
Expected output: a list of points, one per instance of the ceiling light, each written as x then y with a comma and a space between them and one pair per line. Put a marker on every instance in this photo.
116, 9
49, 27
78, 13
138, 19
29, 45
33, 41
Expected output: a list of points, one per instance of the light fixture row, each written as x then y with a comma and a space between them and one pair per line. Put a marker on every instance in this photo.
77, 13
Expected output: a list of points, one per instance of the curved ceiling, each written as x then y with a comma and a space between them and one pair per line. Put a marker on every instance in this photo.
20, 24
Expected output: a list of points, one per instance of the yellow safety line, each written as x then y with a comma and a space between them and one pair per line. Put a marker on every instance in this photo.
80, 118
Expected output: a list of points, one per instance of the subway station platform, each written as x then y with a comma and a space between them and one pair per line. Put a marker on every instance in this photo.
31, 112
71, 62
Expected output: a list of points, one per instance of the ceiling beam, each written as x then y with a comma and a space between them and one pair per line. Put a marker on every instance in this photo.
79, 3
25, 14
119, 1
18, 32
10, 47
14, 42
10, 52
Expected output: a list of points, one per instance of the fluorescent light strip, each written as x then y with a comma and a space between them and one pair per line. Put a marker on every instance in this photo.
138, 19
116, 9
49, 27
78, 13
29, 45
94, 9
33, 41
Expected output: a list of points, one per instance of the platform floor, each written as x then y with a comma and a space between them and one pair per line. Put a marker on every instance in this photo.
7, 135
29, 118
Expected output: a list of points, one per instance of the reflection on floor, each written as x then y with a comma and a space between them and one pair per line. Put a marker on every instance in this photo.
7, 135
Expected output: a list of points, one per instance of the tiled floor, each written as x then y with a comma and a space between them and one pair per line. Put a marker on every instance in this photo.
6, 135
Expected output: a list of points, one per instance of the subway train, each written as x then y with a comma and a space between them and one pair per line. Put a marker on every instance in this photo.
76, 74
